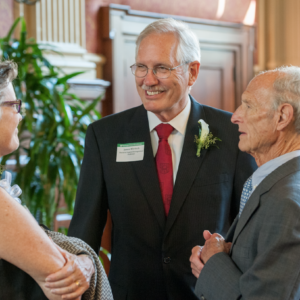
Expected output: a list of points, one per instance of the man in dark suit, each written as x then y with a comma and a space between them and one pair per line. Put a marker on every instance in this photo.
141, 165
259, 259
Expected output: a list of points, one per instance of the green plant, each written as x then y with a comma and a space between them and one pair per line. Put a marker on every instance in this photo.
52, 132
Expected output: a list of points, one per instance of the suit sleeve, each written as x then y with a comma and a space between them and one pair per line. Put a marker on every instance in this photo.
91, 204
245, 167
275, 272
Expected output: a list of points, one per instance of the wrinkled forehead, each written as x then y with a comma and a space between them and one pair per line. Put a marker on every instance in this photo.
158, 45
261, 88
265, 80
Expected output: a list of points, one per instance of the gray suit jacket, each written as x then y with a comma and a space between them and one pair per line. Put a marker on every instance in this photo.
264, 262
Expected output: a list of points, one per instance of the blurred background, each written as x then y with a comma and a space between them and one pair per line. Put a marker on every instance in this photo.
94, 40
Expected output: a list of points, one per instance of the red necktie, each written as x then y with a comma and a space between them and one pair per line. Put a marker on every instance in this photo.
164, 164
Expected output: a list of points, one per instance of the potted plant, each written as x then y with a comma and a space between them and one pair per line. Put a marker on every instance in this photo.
52, 131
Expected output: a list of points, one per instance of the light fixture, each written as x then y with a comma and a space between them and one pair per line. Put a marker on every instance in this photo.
29, 2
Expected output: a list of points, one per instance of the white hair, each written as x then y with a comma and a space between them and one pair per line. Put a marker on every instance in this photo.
188, 49
286, 89
8, 72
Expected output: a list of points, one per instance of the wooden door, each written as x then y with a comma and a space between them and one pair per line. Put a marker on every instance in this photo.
215, 85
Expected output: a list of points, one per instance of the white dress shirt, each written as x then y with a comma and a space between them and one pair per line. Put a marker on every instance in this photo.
176, 138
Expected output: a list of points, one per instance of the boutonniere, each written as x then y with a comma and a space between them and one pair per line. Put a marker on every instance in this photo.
205, 138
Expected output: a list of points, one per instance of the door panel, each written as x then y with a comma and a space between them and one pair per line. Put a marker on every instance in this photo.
215, 85
131, 96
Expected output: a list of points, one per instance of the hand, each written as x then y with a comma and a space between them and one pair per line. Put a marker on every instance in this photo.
207, 235
195, 259
196, 263
74, 278
214, 243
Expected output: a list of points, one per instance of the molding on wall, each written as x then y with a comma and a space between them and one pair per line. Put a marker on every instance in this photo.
60, 25
130, 12
88, 89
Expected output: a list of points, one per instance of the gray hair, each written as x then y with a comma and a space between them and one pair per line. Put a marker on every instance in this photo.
286, 89
8, 72
188, 47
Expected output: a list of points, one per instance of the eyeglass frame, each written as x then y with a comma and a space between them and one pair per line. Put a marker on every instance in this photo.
170, 69
18, 102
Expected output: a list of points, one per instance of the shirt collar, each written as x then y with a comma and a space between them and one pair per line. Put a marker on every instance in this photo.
267, 168
179, 122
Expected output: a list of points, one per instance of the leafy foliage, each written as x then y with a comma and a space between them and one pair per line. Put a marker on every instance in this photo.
53, 129
209, 141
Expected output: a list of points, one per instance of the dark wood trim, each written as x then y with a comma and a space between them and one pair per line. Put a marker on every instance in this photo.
106, 42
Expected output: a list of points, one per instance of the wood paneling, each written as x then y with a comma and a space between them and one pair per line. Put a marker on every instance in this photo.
227, 58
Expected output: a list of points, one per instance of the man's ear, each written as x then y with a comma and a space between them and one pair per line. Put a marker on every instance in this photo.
194, 67
286, 115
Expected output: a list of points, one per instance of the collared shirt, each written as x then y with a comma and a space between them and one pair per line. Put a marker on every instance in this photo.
175, 139
263, 171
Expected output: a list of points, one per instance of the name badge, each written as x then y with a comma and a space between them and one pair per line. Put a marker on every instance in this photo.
130, 152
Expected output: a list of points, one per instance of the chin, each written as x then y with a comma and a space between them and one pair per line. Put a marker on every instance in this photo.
12, 148
150, 106
243, 147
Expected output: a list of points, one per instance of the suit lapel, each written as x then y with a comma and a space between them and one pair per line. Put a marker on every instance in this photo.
230, 233
252, 204
189, 164
138, 131
250, 207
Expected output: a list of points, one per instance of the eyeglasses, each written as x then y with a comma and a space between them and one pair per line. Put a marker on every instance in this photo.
17, 104
161, 72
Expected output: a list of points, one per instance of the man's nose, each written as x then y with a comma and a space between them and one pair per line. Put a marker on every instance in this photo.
236, 117
150, 78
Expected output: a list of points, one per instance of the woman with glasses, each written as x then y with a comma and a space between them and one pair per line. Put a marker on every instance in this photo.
32, 266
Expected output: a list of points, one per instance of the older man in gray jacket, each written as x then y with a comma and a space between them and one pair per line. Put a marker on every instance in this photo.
260, 256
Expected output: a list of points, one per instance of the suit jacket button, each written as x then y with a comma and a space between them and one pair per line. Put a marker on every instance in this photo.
202, 298
167, 260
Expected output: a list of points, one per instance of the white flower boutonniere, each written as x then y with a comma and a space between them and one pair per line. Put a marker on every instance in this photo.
205, 138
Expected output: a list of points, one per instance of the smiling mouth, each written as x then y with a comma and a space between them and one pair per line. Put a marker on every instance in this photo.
153, 93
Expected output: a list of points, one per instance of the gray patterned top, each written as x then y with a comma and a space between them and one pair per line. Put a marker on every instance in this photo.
99, 286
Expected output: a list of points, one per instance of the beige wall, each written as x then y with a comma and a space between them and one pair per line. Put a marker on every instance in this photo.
6, 16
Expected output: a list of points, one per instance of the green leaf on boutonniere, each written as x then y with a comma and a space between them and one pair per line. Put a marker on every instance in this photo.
205, 138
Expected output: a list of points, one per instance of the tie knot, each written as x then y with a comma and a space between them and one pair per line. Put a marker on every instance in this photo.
163, 131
